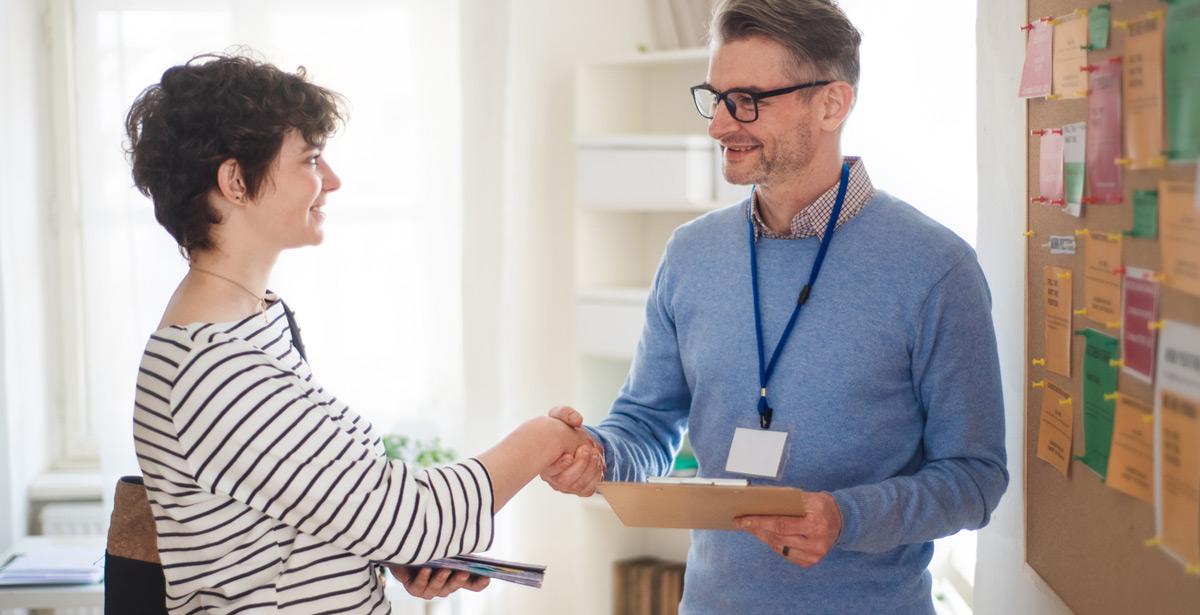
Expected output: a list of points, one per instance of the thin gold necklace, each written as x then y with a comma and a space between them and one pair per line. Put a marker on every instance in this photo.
262, 301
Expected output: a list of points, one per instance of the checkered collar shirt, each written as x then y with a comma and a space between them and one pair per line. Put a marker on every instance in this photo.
811, 220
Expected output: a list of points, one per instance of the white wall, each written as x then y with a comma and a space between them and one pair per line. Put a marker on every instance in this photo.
1004, 583
25, 401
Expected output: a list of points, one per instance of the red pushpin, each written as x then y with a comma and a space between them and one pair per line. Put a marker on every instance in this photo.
1116, 60
1038, 199
1090, 68
1027, 27
1058, 202
1057, 131
1118, 271
1040, 133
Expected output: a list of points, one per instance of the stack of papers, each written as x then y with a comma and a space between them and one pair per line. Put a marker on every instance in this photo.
54, 566
530, 575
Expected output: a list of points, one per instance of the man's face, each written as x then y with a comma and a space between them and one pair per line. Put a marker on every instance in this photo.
779, 143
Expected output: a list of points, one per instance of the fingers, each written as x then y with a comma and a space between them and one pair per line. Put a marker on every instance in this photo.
568, 415
404, 574
437, 587
417, 582
580, 473
477, 584
807, 539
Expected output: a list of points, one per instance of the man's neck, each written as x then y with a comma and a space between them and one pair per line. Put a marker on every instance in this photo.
779, 203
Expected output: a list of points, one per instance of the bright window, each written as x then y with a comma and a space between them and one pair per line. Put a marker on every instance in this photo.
378, 302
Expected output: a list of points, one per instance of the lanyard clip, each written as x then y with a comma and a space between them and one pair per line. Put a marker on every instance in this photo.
764, 418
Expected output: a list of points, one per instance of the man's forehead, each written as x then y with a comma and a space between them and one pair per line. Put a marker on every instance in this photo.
754, 62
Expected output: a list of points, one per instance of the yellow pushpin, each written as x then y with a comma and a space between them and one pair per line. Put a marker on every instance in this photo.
1066, 401
1193, 569
1054, 96
1113, 324
1155, 14
1158, 162
1159, 277
1066, 275
1082, 92
1029, 233
1120, 24
1039, 361
1114, 396
1122, 162
1081, 312
1155, 325
1116, 362
1039, 384
1150, 543
1082, 232
1149, 418
1081, 12
1114, 237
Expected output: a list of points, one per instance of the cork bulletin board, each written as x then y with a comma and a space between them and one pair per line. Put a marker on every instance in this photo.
1085, 539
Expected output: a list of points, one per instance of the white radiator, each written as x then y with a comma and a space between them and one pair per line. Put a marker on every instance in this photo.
75, 519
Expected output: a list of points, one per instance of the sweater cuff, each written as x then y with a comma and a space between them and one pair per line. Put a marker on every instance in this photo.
851, 519
608, 456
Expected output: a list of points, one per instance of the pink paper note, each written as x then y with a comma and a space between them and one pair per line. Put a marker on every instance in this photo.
1050, 168
1138, 340
1104, 136
1037, 75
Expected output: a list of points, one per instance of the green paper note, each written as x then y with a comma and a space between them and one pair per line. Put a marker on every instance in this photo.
1182, 79
1145, 214
1099, 379
1073, 181
1098, 27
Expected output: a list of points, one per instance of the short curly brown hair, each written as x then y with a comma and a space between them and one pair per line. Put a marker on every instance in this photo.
202, 113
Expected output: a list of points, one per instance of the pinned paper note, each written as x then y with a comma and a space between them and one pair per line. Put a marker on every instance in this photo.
1050, 167
1145, 214
1036, 75
1098, 26
1179, 232
1057, 302
1062, 244
1183, 80
1074, 156
1070, 40
1104, 135
1055, 428
1102, 288
1177, 441
1131, 459
1099, 405
1143, 91
1140, 309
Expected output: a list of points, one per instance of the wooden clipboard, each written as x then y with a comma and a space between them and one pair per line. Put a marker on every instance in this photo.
698, 507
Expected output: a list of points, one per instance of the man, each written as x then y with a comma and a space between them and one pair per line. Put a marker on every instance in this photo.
820, 314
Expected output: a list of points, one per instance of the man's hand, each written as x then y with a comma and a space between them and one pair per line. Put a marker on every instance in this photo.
800, 540
577, 473
424, 583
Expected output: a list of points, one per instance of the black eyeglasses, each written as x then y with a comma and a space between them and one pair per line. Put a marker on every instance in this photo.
741, 103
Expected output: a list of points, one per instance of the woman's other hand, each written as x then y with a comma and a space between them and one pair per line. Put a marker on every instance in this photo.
425, 583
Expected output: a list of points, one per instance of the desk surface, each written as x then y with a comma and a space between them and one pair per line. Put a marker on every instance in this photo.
52, 596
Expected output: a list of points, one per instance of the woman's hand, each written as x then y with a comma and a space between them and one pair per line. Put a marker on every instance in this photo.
578, 472
423, 582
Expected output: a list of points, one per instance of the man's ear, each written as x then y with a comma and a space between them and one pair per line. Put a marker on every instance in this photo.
230, 183
836, 101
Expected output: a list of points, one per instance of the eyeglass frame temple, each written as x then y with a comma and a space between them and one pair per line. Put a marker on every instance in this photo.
730, 106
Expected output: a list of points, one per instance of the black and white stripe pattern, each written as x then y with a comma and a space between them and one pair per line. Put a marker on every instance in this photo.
269, 494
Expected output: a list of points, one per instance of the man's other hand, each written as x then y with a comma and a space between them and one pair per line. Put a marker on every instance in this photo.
804, 541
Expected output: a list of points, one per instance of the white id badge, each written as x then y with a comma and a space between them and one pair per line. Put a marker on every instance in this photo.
758, 452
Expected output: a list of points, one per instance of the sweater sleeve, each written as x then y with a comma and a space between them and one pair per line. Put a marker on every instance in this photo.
645, 425
261, 435
956, 377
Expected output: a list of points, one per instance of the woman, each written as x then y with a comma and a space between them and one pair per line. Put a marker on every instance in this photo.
269, 494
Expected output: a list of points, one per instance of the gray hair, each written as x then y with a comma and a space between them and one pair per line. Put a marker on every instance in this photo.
818, 35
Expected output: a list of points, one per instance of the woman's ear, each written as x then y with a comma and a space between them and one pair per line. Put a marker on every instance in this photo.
837, 100
230, 183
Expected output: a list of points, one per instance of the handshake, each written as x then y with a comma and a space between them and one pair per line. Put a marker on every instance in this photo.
580, 468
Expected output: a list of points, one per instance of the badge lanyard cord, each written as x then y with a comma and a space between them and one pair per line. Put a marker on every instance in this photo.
765, 370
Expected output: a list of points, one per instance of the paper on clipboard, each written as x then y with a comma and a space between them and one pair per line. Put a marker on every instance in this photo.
697, 506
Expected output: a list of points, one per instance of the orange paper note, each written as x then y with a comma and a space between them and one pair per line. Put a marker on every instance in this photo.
1179, 235
1179, 507
1131, 459
1102, 290
1070, 37
1143, 91
1057, 302
1055, 428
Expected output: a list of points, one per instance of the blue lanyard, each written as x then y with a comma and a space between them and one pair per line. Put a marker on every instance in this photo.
764, 371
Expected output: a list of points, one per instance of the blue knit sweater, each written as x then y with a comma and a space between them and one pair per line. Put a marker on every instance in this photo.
889, 385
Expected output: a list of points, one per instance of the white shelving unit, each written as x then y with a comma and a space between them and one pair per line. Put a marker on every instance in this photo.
644, 166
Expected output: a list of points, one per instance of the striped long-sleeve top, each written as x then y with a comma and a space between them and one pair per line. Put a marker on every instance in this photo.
268, 493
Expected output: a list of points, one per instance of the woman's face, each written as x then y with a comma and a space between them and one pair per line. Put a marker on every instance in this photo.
290, 206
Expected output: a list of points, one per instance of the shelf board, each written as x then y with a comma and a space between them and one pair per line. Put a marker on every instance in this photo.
649, 58
626, 295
